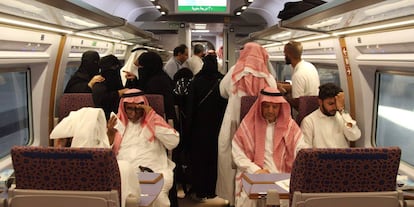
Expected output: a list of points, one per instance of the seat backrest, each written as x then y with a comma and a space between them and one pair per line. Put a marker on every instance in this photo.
306, 105
41, 198
75, 101
72, 102
345, 170
156, 101
245, 103
75, 169
366, 199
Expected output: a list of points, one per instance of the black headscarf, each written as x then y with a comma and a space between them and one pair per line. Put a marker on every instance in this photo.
105, 94
110, 66
151, 65
89, 63
88, 68
210, 66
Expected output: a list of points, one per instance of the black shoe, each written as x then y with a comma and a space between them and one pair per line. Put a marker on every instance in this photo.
197, 199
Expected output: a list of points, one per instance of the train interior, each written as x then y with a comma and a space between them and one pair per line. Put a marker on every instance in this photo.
366, 47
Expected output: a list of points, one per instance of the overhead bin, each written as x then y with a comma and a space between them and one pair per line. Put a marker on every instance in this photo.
339, 18
73, 17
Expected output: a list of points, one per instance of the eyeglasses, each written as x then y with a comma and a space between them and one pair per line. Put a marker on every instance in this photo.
133, 109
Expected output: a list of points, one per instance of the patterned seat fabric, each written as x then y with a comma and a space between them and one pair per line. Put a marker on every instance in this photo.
345, 170
73, 102
156, 101
306, 105
79, 169
245, 103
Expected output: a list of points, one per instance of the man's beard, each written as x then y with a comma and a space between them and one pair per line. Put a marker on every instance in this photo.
287, 60
326, 112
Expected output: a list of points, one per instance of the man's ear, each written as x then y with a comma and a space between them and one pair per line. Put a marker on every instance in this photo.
320, 101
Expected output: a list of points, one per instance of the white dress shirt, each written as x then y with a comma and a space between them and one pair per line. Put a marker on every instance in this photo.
323, 131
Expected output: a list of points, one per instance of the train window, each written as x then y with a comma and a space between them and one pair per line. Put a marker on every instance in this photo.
327, 73
71, 68
283, 72
394, 112
14, 109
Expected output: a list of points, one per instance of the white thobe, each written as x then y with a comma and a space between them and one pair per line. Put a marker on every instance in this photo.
195, 63
137, 149
323, 131
130, 66
231, 120
87, 126
245, 165
172, 66
305, 80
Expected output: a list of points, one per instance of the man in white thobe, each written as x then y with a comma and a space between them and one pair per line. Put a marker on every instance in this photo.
144, 138
178, 61
305, 78
195, 63
330, 126
266, 141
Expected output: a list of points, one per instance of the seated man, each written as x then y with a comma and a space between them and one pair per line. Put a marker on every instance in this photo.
87, 126
330, 126
266, 141
144, 139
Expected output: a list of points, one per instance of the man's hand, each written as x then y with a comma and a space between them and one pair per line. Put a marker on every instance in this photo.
340, 101
95, 79
129, 75
122, 91
284, 87
146, 108
111, 130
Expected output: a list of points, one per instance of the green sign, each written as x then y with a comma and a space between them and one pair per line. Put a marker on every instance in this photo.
202, 9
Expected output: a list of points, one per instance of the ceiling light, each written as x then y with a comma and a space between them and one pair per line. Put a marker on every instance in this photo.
250, 1
280, 35
383, 26
78, 21
200, 30
200, 26
157, 6
163, 13
22, 6
273, 44
238, 13
126, 43
244, 7
313, 37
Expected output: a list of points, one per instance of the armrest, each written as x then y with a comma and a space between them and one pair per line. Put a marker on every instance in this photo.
132, 201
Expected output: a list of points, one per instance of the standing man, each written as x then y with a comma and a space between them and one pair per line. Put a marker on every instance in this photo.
330, 126
247, 77
180, 56
195, 63
305, 78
